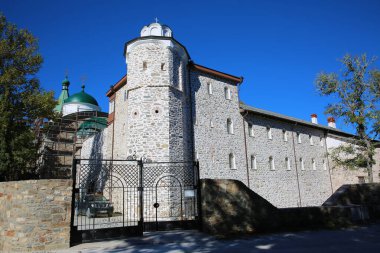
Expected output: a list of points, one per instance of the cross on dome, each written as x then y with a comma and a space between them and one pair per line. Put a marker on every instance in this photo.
156, 29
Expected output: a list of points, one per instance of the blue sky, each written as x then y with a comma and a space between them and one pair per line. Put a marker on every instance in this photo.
277, 46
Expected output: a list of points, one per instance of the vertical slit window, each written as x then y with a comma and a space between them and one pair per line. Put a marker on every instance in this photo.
250, 130
227, 93
287, 163
209, 88
269, 133
285, 135
271, 163
253, 162
232, 161
313, 164
230, 126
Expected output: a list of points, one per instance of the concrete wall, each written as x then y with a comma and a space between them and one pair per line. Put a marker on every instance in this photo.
287, 186
213, 143
35, 215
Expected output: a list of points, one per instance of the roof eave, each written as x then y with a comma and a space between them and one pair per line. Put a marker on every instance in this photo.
214, 72
294, 120
117, 86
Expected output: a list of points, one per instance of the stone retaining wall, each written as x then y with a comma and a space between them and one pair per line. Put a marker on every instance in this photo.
230, 208
35, 215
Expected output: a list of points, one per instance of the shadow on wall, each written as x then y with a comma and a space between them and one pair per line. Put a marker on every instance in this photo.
97, 176
367, 195
230, 208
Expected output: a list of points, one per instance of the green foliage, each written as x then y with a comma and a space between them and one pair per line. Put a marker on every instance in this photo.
357, 93
22, 101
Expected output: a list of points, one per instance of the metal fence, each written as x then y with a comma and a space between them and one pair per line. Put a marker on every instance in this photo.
113, 198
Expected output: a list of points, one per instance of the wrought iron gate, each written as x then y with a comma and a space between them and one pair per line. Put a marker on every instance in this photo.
116, 198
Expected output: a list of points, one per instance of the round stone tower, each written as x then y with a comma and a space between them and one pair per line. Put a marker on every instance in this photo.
157, 96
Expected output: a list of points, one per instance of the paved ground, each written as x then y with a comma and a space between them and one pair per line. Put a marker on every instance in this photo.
359, 239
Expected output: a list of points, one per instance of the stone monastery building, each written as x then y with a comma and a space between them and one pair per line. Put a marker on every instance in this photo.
168, 108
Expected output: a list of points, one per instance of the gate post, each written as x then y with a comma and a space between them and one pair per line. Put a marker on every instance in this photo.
141, 198
73, 232
199, 195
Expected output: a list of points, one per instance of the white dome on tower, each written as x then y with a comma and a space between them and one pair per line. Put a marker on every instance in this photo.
156, 29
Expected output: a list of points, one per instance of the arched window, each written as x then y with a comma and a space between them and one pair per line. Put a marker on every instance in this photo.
311, 139
230, 126
253, 162
287, 163
302, 164
227, 93
163, 68
232, 161
313, 164
271, 163
211, 123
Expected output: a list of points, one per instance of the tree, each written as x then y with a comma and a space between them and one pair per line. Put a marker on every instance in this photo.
22, 101
357, 92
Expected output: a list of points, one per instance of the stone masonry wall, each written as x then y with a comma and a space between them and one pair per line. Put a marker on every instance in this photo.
213, 143
341, 176
35, 215
155, 106
287, 186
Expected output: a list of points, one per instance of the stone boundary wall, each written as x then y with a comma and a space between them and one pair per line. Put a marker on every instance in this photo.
367, 195
35, 215
230, 208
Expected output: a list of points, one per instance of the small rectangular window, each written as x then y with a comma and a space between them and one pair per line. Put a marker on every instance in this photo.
227, 93
250, 130
209, 88
269, 133
230, 126
321, 141
253, 162
232, 161
287, 163
211, 123
112, 106
285, 135
271, 163
361, 180
324, 165
299, 140
311, 140
302, 164
313, 164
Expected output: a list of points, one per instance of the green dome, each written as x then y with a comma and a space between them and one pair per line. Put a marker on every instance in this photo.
91, 126
82, 97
